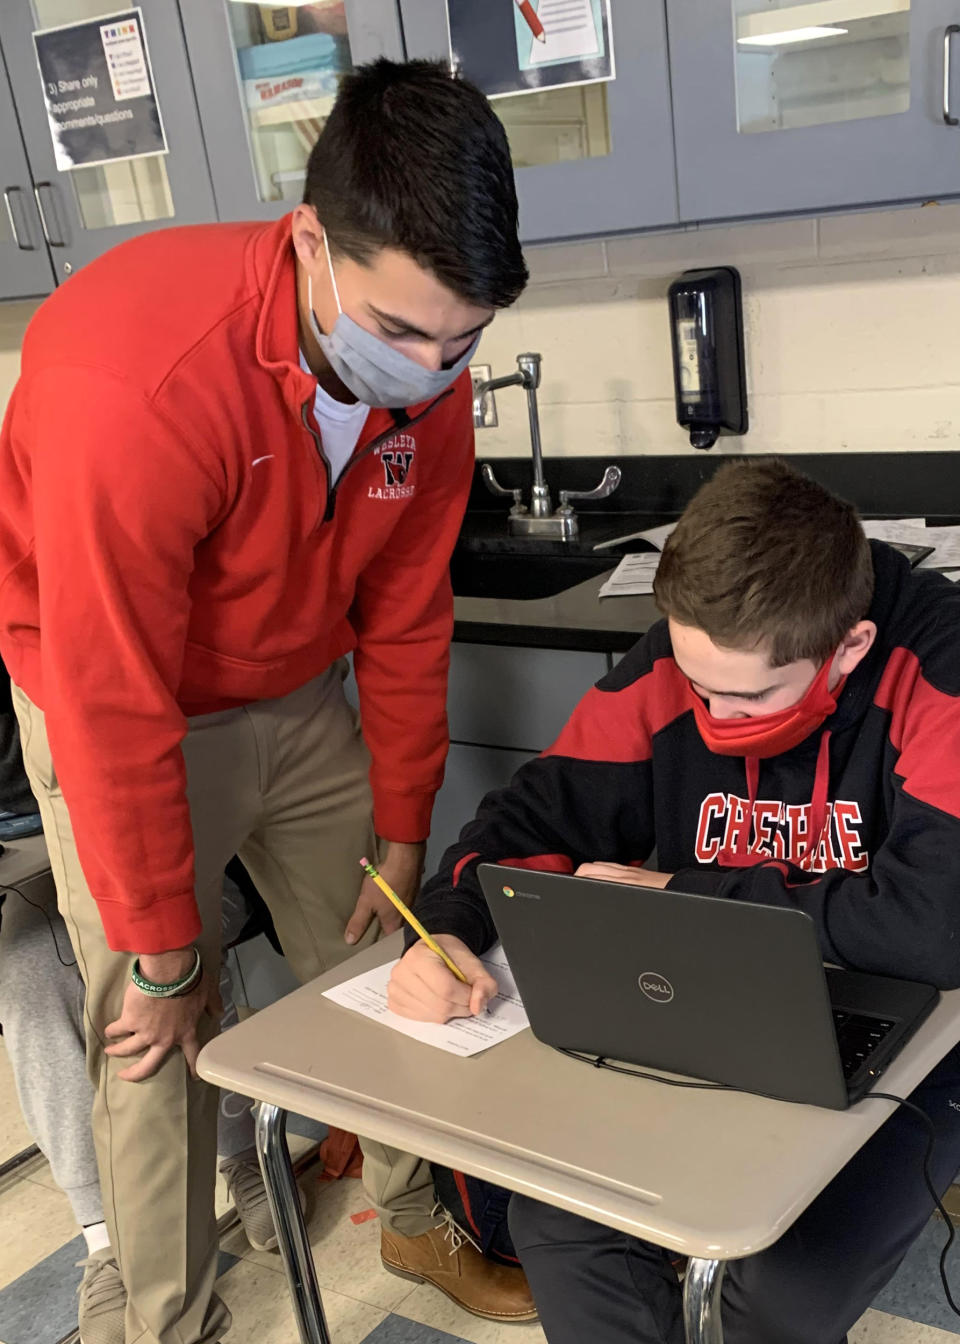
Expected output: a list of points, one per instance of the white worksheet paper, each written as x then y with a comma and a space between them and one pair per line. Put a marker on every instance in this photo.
915, 532
655, 535
505, 1015
893, 529
633, 575
946, 541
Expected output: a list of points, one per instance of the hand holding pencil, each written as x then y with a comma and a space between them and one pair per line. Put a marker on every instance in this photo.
439, 978
411, 918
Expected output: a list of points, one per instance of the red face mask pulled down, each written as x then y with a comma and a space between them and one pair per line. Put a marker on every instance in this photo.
769, 734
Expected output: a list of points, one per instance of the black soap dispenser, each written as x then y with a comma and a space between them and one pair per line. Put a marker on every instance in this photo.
706, 327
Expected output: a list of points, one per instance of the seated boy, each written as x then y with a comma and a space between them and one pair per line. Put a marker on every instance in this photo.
789, 734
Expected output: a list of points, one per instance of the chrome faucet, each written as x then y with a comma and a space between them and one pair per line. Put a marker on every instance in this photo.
539, 519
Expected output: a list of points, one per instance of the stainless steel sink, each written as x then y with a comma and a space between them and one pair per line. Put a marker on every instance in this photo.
521, 577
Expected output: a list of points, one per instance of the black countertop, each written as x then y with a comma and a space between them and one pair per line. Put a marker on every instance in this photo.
574, 619
655, 489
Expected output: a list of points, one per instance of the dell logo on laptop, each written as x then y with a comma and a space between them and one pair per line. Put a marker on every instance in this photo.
656, 987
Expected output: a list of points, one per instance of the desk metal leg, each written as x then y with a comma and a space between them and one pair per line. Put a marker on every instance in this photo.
284, 1202
701, 1301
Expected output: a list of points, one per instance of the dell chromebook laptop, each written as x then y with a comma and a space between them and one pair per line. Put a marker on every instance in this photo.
719, 990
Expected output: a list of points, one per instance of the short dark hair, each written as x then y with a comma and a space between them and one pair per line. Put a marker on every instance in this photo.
413, 157
765, 555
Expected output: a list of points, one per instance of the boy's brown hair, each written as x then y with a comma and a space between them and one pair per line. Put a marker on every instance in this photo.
765, 556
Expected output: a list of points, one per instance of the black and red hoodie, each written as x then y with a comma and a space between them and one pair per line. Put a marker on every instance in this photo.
858, 825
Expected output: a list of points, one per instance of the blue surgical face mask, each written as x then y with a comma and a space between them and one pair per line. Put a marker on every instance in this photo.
376, 373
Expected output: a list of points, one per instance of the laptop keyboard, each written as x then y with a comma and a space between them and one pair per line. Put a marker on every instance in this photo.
858, 1037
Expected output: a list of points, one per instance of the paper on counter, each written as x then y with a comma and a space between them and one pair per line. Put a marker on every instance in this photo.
895, 529
633, 575
946, 541
505, 1016
915, 532
655, 535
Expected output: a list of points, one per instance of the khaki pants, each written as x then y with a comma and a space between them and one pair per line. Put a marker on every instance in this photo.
284, 784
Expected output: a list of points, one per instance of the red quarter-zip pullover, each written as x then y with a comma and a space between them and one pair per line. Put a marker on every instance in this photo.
170, 545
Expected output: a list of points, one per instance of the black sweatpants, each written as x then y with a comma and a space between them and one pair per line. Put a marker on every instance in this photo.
593, 1283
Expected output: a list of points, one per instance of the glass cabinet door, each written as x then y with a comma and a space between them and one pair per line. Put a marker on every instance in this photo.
89, 208
786, 105
812, 65
25, 266
590, 158
267, 76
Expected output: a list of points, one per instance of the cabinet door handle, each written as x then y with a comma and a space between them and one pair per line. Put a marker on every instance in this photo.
8, 197
55, 240
948, 33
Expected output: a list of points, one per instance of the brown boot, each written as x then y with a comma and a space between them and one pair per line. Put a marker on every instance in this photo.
447, 1259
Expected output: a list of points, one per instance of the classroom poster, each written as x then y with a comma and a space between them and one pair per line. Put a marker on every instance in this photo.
525, 46
99, 91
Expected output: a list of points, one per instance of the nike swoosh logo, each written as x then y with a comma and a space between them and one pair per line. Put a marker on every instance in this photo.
257, 460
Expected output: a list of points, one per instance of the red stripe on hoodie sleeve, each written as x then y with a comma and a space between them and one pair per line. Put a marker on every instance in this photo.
541, 863
925, 730
620, 725
467, 858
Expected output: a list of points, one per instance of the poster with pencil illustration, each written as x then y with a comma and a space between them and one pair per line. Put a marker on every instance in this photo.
526, 46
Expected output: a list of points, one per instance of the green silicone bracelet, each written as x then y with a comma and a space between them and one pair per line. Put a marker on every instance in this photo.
172, 991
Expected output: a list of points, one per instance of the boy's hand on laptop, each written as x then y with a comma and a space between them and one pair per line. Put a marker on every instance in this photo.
619, 872
421, 987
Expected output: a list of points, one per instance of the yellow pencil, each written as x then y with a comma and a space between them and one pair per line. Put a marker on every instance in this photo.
411, 918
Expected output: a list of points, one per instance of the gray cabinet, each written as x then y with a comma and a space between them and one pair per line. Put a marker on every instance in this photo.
516, 697
86, 211
752, 108
25, 267
780, 109
471, 774
264, 91
505, 705
591, 159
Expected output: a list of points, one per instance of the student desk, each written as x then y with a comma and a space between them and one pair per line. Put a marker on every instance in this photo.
710, 1175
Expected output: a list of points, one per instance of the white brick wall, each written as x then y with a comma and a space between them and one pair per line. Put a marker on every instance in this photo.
851, 339
852, 336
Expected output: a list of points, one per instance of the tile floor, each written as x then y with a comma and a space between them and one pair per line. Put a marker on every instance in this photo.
39, 1248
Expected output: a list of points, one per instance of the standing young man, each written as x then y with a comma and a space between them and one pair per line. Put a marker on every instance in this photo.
788, 735
236, 454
